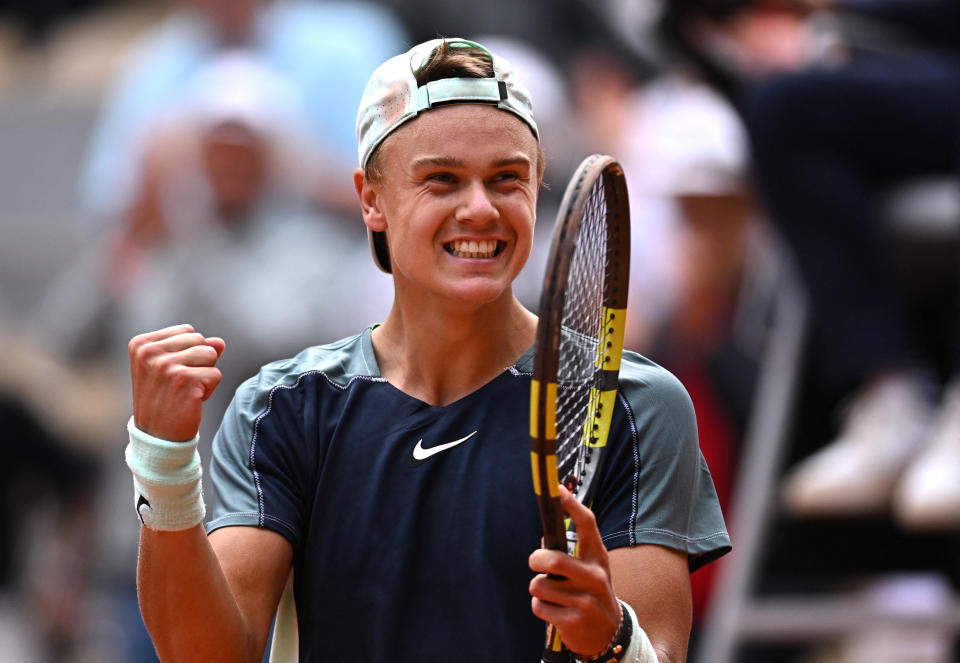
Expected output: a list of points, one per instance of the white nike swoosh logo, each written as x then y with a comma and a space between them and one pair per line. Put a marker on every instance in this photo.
421, 454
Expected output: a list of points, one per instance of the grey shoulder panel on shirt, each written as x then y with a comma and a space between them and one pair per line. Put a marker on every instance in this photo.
339, 362
676, 503
238, 499
657, 398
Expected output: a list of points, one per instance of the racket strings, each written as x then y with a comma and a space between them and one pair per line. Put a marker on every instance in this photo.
582, 338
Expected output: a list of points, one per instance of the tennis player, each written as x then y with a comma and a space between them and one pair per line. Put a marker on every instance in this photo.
390, 470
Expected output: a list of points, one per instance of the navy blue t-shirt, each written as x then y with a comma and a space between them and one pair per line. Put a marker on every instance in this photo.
412, 524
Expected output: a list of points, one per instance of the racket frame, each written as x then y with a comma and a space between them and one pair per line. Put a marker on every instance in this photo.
558, 531
544, 387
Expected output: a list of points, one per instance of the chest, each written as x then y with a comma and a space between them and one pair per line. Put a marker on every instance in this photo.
403, 488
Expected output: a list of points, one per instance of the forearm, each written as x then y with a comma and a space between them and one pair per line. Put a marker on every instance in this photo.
206, 599
662, 642
655, 582
187, 604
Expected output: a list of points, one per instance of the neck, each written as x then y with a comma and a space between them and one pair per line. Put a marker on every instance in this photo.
439, 356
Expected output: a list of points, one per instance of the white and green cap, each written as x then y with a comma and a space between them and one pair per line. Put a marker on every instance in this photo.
392, 97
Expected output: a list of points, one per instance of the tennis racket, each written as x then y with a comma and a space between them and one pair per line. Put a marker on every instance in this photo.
579, 345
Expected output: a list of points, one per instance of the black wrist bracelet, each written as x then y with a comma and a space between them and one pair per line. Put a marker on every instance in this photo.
618, 645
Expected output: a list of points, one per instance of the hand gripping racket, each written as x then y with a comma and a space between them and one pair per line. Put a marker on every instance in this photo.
579, 344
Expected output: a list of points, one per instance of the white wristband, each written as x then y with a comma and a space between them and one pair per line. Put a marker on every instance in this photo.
166, 480
640, 649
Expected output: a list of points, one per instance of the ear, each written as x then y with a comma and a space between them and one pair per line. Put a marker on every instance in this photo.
369, 195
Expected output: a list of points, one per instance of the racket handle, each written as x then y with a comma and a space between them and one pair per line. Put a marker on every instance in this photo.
555, 651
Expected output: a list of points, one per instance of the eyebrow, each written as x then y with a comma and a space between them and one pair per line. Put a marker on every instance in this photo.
512, 161
448, 162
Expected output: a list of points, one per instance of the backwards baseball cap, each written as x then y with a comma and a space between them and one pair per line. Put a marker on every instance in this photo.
392, 97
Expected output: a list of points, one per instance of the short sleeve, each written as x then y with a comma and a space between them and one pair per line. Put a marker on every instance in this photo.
656, 487
256, 476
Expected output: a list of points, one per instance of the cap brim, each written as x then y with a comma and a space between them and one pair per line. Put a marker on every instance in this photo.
379, 250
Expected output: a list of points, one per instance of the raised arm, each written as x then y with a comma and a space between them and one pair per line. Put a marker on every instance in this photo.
202, 599
211, 599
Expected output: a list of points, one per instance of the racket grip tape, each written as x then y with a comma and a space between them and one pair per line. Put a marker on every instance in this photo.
554, 650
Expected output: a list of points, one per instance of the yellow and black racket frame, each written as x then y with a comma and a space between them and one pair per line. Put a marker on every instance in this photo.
544, 388
603, 391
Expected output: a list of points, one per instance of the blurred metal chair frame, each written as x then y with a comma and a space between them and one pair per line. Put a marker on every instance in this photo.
928, 207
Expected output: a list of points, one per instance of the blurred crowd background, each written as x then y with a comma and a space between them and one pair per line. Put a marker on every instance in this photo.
792, 168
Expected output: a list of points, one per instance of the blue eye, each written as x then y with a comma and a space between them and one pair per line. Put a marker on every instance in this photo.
445, 178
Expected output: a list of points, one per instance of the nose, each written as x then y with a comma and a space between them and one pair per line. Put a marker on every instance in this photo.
477, 205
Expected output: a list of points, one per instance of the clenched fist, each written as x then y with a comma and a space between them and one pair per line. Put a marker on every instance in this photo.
173, 372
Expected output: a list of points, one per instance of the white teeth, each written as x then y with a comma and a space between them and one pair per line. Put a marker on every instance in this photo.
464, 248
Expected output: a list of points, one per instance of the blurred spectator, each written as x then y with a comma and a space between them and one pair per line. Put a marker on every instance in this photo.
43, 479
229, 242
684, 153
326, 49
221, 168
826, 141
220, 233
235, 133
54, 424
732, 43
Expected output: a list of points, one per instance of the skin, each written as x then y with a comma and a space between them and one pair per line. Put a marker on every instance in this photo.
458, 172
455, 323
